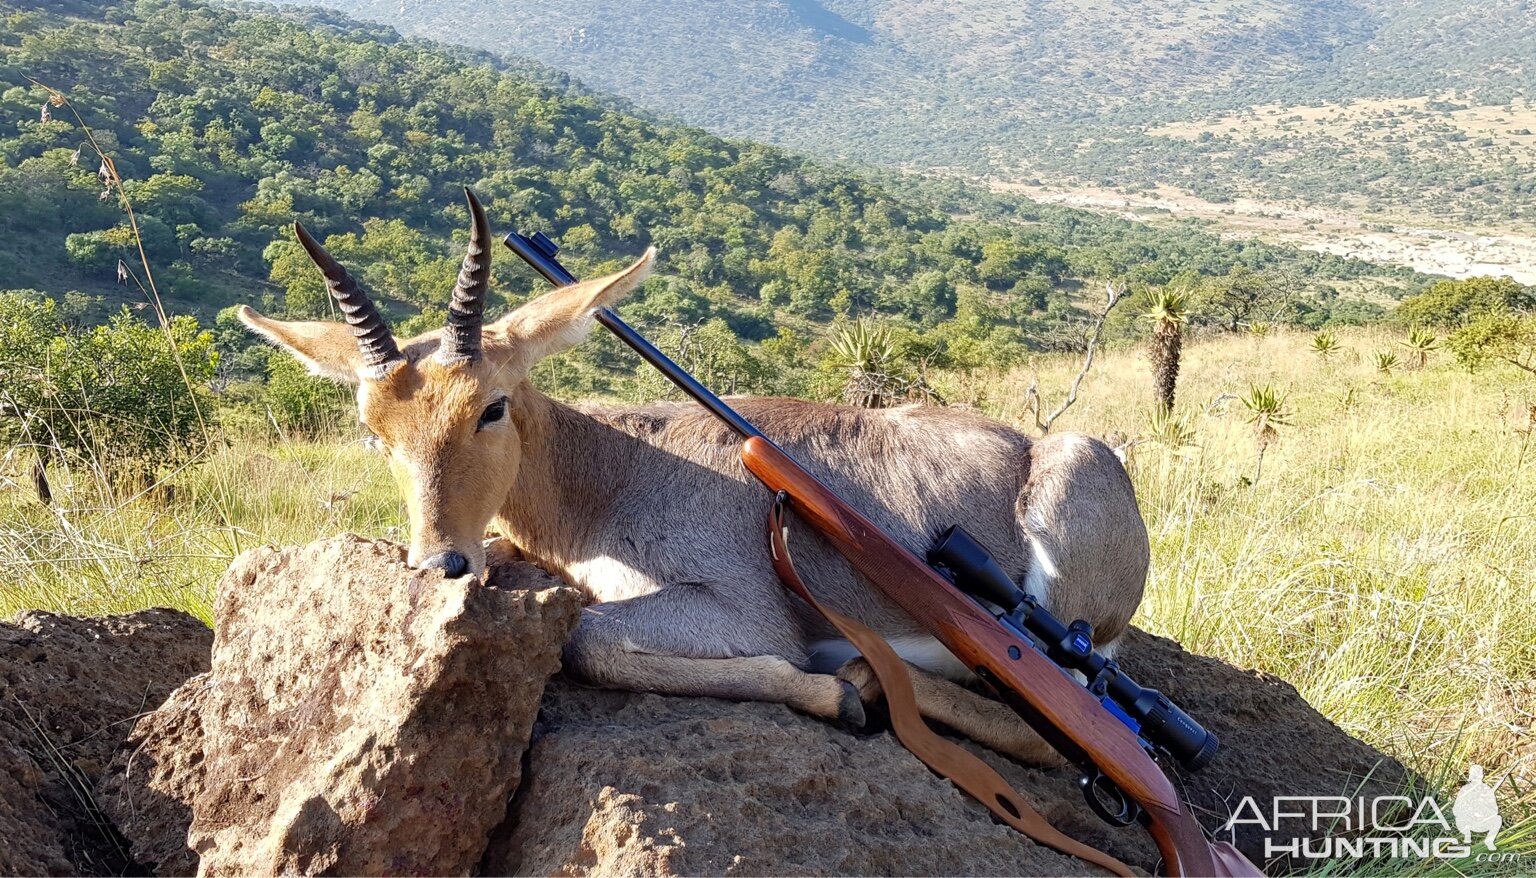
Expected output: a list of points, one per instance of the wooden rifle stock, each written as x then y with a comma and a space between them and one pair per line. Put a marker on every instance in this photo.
1056, 705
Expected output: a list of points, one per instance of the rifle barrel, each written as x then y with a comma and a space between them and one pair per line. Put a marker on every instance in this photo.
539, 251
677, 375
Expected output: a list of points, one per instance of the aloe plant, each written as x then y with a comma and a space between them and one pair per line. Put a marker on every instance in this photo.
1325, 345
1170, 430
1266, 412
1168, 312
868, 353
1420, 344
1386, 361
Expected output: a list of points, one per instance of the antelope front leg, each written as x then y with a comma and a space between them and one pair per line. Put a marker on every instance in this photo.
989, 723
681, 640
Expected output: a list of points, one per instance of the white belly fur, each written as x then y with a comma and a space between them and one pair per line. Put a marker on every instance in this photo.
609, 579
925, 652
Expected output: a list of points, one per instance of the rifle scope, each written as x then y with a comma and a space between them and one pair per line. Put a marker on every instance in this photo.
1147, 712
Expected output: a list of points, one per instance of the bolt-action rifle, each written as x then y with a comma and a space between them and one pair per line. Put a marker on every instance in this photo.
1111, 728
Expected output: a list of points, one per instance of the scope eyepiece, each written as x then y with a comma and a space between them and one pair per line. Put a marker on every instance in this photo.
1164, 724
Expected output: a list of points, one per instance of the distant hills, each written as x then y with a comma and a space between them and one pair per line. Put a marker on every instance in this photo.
227, 124
1070, 90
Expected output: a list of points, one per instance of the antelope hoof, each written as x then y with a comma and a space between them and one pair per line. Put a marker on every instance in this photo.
850, 708
857, 673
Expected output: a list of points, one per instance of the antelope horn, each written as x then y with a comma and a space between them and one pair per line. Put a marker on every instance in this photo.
466, 311
374, 339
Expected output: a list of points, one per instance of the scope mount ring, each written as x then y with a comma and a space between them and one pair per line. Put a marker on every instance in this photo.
1099, 685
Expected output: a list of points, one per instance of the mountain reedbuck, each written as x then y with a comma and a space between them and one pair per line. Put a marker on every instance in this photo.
650, 510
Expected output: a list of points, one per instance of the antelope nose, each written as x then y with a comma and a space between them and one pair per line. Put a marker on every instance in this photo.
451, 563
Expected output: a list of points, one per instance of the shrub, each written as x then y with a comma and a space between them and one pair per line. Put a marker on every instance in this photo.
299, 402
1456, 302
125, 395
1509, 338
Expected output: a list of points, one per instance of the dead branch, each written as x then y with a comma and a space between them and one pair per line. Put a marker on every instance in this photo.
1112, 296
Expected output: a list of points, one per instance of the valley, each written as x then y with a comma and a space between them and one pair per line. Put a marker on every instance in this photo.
1448, 251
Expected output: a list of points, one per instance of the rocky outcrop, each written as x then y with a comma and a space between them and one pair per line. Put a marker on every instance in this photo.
633, 784
630, 784
70, 690
361, 718
152, 781
1273, 742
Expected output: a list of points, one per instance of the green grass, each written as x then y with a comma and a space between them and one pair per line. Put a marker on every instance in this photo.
1385, 564
166, 546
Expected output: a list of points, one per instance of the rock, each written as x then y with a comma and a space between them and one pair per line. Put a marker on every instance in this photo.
631, 784
625, 783
1273, 743
308, 718
155, 776
31, 837
363, 718
71, 691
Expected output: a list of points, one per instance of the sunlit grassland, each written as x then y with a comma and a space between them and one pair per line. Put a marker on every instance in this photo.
166, 546
1384, 562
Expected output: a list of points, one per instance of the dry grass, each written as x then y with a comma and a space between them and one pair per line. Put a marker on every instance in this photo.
96, 553
1385, 563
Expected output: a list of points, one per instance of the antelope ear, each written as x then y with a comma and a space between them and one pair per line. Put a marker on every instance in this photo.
327, 349
560, 319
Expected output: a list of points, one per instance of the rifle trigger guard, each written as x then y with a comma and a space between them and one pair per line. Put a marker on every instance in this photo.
1119, 810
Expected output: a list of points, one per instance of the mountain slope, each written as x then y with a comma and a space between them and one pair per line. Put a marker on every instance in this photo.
228, 125
1056, 88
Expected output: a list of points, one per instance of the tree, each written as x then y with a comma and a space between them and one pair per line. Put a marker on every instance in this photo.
171, 197
125, 396
1457, 302
1245, 294
1168, 314
1113, 295
1238, 297
1508, 338
295, 272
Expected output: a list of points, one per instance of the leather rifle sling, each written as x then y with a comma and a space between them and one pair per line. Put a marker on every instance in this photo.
945, 757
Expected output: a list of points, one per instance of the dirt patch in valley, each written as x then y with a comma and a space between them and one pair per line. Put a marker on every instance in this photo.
1450, 252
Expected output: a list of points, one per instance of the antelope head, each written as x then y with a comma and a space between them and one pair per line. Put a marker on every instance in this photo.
445, 405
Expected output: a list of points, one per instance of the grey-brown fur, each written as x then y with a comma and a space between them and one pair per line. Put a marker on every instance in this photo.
660, 492
652, 511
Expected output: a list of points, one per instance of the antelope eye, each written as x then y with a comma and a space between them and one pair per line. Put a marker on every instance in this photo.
493, 413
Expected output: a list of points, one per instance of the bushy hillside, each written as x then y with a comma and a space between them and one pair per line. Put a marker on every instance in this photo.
228, 125
1058, 89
